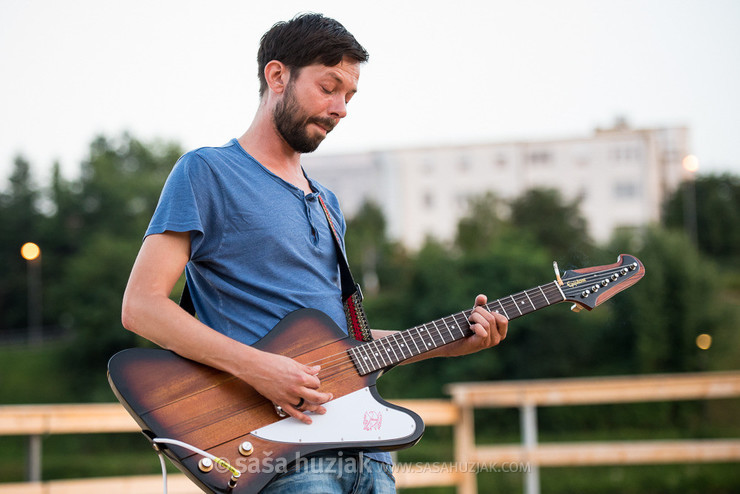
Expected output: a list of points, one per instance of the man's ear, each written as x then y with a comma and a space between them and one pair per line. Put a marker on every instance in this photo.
277, 76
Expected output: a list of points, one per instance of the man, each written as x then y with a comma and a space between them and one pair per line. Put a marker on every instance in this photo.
245, 222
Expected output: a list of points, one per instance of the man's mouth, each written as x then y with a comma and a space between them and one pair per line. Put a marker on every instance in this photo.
326, 124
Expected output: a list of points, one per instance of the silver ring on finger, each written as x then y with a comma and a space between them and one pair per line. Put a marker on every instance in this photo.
279, 410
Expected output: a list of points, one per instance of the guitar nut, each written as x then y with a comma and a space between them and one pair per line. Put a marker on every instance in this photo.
246, 448
205, 465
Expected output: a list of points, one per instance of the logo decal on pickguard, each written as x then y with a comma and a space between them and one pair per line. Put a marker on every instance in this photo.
372, 420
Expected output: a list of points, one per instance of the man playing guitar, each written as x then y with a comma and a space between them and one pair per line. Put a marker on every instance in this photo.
247, 225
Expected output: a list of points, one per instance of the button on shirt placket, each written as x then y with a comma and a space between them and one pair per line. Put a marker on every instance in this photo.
308, 201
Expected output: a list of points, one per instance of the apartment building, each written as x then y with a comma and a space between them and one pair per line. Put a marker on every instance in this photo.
620, 176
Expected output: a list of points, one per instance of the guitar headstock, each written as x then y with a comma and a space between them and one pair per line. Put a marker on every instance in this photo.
589, 287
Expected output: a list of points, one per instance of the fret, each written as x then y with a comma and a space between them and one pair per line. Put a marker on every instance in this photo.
457, 325
559, 289
362, 358
543, 294
515, 304
413, 340
374, 355
402, 345
390, 347
424, 328
452, 338
502, 308
465, 325
379, 348
366, 359
434, 323
358, 361
467, 319
530, 300
539, 299
439, 332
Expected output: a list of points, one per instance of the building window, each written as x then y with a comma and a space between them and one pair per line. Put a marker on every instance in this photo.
428, 200
499, 161
540, 157
626, 190
627, 153
464, 165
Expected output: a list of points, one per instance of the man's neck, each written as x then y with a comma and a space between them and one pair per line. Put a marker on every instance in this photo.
264, 143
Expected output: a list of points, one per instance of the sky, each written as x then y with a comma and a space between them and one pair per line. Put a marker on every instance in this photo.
440, 72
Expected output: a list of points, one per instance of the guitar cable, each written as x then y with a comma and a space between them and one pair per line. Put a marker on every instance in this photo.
235, 474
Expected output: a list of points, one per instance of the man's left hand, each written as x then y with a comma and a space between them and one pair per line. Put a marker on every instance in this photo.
489, 328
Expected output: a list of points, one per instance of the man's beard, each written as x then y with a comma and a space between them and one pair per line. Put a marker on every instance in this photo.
291, 123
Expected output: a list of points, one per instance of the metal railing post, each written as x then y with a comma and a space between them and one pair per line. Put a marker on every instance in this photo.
528, 417
33, 458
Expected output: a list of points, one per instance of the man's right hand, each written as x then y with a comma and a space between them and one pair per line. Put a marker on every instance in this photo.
286, 382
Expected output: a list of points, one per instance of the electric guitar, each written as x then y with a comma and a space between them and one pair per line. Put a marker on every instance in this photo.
183, 406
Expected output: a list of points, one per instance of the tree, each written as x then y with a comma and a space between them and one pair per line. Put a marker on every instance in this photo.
555, 224
19, 223
367, 245
678, 299
101, 218
482, 225
717, 214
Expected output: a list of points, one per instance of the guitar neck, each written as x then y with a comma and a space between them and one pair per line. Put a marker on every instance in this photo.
403, 345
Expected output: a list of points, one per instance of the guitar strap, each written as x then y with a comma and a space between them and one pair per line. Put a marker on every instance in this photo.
357, 322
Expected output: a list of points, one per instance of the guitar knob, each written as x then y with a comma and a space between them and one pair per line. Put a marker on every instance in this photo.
246, 448
615, 276
633, 266
585, 294
624, 271
604, 282
595, 288
205, 465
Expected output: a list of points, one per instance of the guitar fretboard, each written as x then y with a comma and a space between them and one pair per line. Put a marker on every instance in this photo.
402, 345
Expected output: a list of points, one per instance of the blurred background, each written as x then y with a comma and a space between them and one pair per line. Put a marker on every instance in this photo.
487, 140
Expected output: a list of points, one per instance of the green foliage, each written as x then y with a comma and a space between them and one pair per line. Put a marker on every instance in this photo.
19, 223
716, 199
482, 226
89, 233
555, 224
679, 298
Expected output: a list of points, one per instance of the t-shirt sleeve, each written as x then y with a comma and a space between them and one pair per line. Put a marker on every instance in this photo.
187, 202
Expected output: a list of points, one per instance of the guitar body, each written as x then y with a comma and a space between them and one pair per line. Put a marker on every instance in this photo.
175, 398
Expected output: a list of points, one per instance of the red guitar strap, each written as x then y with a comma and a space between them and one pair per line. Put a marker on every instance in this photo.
351, 293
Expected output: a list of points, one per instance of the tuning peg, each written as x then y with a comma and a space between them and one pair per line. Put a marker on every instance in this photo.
557, 272
576, 308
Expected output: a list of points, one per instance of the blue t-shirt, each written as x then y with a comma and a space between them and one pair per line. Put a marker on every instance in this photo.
260, 247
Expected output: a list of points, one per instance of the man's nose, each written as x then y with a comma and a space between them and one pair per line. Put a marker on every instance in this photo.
338, 107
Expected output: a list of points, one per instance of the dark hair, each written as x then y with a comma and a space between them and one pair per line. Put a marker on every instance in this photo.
305, 40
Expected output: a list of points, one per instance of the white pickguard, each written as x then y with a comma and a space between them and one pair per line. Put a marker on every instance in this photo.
356, 417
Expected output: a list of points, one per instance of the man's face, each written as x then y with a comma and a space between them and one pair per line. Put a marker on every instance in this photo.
314, 101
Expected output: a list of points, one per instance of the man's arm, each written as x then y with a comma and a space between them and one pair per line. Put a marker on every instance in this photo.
149, 312
489, 329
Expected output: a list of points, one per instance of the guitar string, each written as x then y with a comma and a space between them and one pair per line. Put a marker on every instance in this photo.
419, 338
389, 359
344, 356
